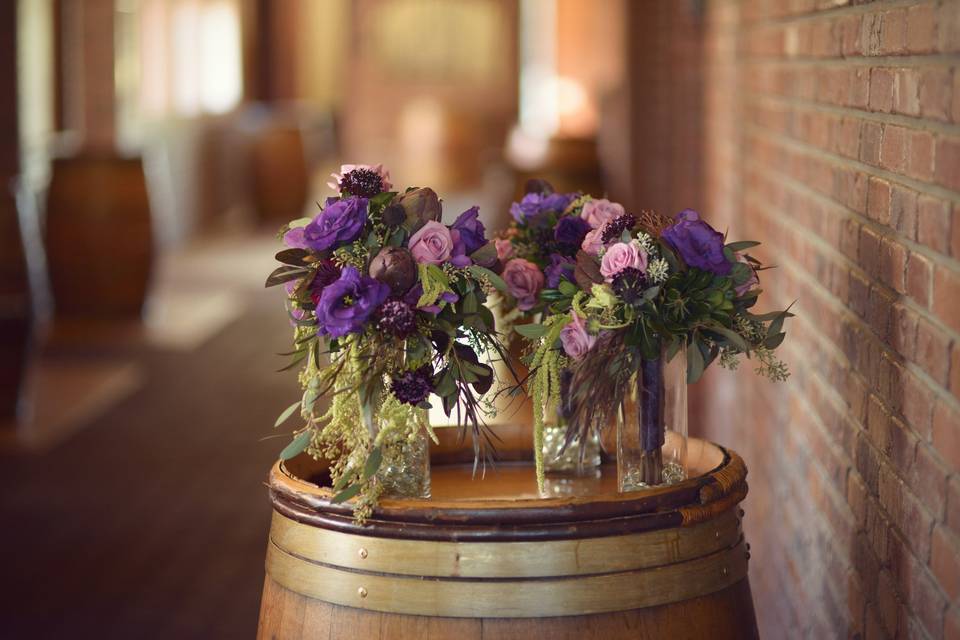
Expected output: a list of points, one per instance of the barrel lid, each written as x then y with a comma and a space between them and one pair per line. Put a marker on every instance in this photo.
503, 503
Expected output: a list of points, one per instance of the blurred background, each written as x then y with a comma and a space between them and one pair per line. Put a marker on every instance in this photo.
151, 149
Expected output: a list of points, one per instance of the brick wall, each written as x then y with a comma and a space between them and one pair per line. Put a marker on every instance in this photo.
832, 133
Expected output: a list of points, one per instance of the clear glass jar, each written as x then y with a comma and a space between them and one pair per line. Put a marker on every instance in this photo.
652, 425
405, 470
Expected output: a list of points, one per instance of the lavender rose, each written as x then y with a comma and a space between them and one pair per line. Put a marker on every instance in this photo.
575, 339
597, 212
346, 305
570, 231
504, 248
432, 244
620, 256
340, 223
699, 244
524, 282
593, 242
560, 268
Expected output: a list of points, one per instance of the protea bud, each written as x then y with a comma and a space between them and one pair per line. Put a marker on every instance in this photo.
420, 206
395, 267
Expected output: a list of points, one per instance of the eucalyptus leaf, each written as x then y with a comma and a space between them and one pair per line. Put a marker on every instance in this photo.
567, 288
531, 331
286, 414
482, 272
742, 245
373, 463
285, 273
346, 494
294, 257
344, 479
772, 342
694, 363
735, 339
299, 444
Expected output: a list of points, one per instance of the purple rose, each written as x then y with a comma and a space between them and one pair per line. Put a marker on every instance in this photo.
533, 204
699, 244
340, 223
432, 244
472, 232
524, 282
575, 339
600, 211
561, 267
346, 305
571, 231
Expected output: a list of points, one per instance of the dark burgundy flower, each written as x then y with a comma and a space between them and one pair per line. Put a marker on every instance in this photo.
362, 182
629, 285
570, 231
413, 387
397, 318
615, 228
699, 244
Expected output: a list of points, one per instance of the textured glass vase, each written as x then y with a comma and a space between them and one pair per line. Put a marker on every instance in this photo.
581, 456
405, 469
652, 425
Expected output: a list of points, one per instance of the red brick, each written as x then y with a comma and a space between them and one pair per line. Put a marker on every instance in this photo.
878, 200
893, 34
918, 282
933, 223
955, 111
946, 296
935, 88
928, 478
951, 626
893, 261
857, 499
873, 628
946, 433
881, 90
870, 28
870, 135
906, 91
856, 602
953, 505
948, 162
870, 251
848, 31
920, 155
945, 561
955, 369
917, 404
903, 211
859, 94
955, 232
921, 28
948, 27
846, 136
933, 350
893, 148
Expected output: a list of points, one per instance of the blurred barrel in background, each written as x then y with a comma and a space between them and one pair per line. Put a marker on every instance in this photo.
98, 236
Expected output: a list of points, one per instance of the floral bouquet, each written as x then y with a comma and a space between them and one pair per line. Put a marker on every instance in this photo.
617, 307
387, 304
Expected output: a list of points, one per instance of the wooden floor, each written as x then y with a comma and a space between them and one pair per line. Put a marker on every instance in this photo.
151, 521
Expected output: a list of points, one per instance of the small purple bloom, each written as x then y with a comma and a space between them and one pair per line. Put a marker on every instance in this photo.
571, 230
561, 267
346, 305
699, 244
472, 231
533, 204
340, 223
413, 387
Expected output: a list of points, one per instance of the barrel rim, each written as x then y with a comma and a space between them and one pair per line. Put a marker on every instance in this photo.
522, 519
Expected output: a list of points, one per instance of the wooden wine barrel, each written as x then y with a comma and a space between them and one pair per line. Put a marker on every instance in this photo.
487, 558
98, 236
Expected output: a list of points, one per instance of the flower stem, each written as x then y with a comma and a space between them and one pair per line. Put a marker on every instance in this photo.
651, 425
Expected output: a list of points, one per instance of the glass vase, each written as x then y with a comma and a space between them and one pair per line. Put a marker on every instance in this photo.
652, 425
405, 469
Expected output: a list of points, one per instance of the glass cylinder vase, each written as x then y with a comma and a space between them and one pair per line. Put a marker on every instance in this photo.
652, 425
401, 433
582, 455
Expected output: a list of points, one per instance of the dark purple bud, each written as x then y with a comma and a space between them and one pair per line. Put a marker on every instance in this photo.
394, 266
